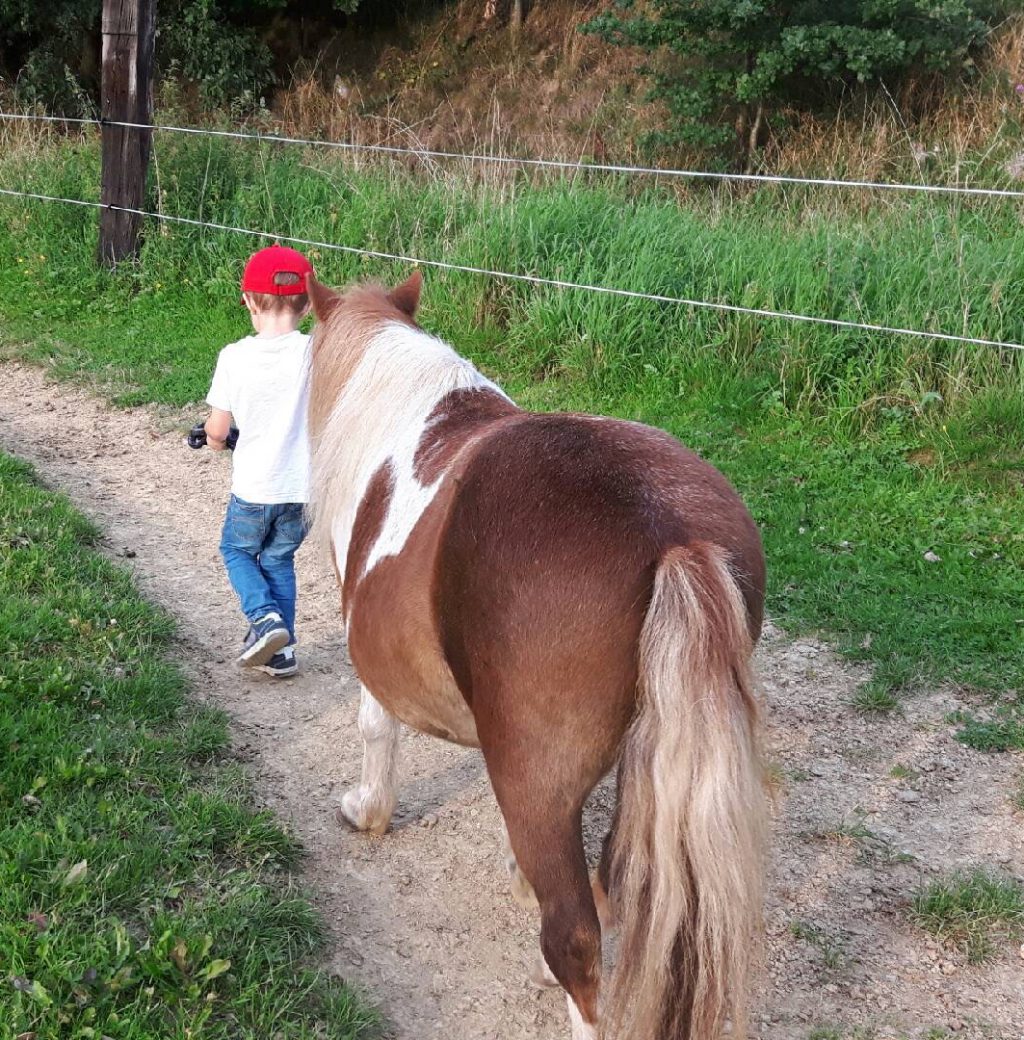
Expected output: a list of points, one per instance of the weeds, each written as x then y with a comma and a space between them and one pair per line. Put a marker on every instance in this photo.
869, 844
829, 947
875, 697
901, 772
972, 911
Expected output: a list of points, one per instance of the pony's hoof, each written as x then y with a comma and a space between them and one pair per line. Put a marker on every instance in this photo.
353, 814
343, 818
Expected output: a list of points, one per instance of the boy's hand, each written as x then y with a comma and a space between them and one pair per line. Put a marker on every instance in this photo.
218, 426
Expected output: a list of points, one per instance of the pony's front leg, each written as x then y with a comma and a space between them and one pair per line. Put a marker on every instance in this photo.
368, 807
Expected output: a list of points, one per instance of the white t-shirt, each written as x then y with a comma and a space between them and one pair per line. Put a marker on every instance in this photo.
263, 384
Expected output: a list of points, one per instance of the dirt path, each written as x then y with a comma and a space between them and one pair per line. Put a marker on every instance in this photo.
422, 919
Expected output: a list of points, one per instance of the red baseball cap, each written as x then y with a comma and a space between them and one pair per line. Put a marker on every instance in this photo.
264, 270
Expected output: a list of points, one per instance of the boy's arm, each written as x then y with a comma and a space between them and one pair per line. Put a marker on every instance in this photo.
218, 425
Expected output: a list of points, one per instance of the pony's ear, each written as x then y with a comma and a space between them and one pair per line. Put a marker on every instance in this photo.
324, 300
407, 296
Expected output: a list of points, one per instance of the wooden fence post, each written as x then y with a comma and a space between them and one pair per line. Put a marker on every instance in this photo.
129, 31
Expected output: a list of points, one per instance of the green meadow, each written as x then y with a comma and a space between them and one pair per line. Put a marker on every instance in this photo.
886, 471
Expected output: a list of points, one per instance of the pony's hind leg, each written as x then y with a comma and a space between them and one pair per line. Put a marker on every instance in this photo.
368, 806
601, 880
548, 844
522, 890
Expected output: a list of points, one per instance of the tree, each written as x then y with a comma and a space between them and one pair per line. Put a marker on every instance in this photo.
52, 49
726, 64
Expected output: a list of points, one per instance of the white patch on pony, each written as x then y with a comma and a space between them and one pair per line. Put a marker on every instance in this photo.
409, 501
380, 417
580, 1030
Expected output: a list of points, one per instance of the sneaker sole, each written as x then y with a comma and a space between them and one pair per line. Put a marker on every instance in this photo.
264, 649
279, 673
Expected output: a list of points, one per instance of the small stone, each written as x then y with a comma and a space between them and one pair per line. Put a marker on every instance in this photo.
908, 796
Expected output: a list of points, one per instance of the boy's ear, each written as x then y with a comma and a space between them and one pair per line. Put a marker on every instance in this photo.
324, 301
407, 296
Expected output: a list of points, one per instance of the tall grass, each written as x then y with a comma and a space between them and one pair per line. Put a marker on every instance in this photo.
859, 453
946, 265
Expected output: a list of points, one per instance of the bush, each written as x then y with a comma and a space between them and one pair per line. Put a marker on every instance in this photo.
724, 67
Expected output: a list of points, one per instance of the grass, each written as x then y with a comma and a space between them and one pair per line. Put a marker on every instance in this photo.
854, 832
971, 911
140, 894
829, 947
886, 473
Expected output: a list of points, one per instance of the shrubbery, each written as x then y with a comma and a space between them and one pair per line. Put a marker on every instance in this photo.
723, 67
51, 50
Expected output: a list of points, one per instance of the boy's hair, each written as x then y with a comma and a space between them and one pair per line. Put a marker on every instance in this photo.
271, 303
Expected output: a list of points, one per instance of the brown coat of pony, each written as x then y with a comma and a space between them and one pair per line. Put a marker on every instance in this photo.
568, 593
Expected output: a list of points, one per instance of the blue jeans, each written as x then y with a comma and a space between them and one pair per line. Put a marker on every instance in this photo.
258, 544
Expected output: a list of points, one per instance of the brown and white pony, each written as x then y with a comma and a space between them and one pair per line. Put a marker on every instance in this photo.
565, 592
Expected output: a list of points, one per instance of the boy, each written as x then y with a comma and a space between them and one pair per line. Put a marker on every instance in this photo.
260, 383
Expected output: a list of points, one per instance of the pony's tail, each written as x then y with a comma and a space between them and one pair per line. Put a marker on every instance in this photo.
687, 850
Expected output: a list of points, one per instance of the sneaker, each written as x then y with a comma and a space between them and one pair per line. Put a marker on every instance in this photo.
282, 664
266, 637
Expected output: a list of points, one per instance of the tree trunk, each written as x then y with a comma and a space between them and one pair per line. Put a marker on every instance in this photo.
755, 132
129, 30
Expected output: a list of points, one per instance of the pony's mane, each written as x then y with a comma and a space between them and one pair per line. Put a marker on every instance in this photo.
386, 376
341, 339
